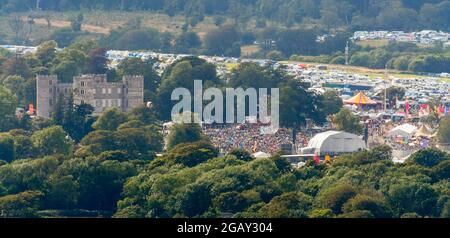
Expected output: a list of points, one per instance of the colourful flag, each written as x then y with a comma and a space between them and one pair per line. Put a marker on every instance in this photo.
31, 109
407, 106
316, 159
441, 109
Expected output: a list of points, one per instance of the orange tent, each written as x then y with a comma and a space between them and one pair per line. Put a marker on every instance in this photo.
360, 99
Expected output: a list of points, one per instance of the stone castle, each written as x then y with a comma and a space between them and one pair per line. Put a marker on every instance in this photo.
90, 89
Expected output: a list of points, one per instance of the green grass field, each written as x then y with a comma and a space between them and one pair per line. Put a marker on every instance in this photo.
373, 43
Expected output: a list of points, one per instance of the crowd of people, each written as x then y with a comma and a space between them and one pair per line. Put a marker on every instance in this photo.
247, 136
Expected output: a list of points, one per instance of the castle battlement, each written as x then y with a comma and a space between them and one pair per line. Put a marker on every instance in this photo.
46, 77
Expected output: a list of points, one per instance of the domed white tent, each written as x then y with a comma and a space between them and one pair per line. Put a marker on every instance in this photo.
336, 142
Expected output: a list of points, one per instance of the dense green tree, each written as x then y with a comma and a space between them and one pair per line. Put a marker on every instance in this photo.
99, 182
251, 75
378, 207
297, 105
52, 140
429, 157
184, 133
289, 205
65, 36
394, 93
46, 52
97, 62
360, 59
192, 154
335, 197
181, 74
187, 42
412, 197
332, 103
346, 121
241, 154
8, 104
300, 41
110, 120
195, 200
444, 131
23, 205
224, 41
142, 39
58, 114
230, 202
7, 152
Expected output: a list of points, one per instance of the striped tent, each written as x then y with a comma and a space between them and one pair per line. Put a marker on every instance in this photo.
424, 132
360, 99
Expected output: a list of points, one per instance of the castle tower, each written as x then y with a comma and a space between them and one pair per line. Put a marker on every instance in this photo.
134, 92
46, 95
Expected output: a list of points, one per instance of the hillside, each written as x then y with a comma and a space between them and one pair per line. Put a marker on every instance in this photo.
374, 14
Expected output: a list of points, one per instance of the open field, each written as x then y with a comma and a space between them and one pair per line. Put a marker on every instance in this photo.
104, 21
373, 43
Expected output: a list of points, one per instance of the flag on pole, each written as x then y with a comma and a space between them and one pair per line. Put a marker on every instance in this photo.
316, 159
407, 107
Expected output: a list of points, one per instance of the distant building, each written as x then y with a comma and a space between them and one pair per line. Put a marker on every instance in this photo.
90, 89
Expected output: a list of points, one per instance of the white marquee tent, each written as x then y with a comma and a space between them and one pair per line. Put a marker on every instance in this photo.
405, 131
336, 142
261, 155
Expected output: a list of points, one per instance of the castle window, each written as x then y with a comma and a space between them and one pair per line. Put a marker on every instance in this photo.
119, 90
82, 101
104, 90
109, 91
50, 102
82, 83
51, 90
50, 82
98, 103
65, 90
82, 92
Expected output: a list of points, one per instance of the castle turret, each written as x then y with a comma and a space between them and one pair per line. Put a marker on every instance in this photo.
46, 95
134, 92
